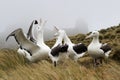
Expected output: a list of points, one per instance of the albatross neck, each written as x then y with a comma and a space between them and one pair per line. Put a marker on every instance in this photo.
39, 38
67, 40
58, 41
95, 39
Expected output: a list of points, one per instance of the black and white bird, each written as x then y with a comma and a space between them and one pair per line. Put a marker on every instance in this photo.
96, 49
58, 51
75, 51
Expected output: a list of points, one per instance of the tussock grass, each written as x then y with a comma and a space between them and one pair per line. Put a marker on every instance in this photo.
10, 58
68, 70
16, 67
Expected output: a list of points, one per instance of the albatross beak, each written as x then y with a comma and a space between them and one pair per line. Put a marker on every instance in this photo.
88, 36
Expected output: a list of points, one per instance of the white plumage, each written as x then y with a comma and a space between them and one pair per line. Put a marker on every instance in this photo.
39, 38
32, 51
96, 49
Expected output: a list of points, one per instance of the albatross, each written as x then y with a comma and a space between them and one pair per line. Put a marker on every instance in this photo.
96, 49
32, 51
39, 38
58, 51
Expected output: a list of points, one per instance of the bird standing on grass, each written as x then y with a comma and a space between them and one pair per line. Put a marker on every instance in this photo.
96, 49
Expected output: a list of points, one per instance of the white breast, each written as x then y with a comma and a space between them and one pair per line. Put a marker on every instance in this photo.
94, 50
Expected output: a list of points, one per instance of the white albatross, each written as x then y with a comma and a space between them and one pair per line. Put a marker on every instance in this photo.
96, 49
39, 39
32, 51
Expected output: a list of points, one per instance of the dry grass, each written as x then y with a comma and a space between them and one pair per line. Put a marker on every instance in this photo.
15, 67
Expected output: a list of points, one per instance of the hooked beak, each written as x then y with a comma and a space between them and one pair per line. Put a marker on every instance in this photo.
89, 36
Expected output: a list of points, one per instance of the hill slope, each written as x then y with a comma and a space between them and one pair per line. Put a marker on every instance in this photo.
15, 67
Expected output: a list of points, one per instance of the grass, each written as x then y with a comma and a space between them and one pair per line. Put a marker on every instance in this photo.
68, 70
16, 67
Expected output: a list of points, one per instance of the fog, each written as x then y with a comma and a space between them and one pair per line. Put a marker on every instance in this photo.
75, 16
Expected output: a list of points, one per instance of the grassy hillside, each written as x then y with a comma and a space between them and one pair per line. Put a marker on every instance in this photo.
15, 67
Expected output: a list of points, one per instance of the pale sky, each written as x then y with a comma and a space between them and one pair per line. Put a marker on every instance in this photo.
96, 14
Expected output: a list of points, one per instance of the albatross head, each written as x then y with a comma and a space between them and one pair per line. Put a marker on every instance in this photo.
59, 33
93, 34
38, 27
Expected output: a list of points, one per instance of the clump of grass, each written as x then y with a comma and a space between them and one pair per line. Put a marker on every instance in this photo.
116, 55
10, 58
109, 36
118, 36
101, 37
115, 44
117, 30
103, 31
80, 37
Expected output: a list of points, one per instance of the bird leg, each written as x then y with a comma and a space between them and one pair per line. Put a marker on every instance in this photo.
75, 58
55, 63
96, 62
101, 60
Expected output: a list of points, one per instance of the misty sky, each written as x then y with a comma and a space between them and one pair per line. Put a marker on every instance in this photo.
96, 14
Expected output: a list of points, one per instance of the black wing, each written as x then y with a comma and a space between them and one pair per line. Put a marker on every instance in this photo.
59, 48
79, 48
105, 48
64, 48
55, 51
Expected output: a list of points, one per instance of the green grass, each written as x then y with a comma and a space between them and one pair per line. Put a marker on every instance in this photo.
16, 67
